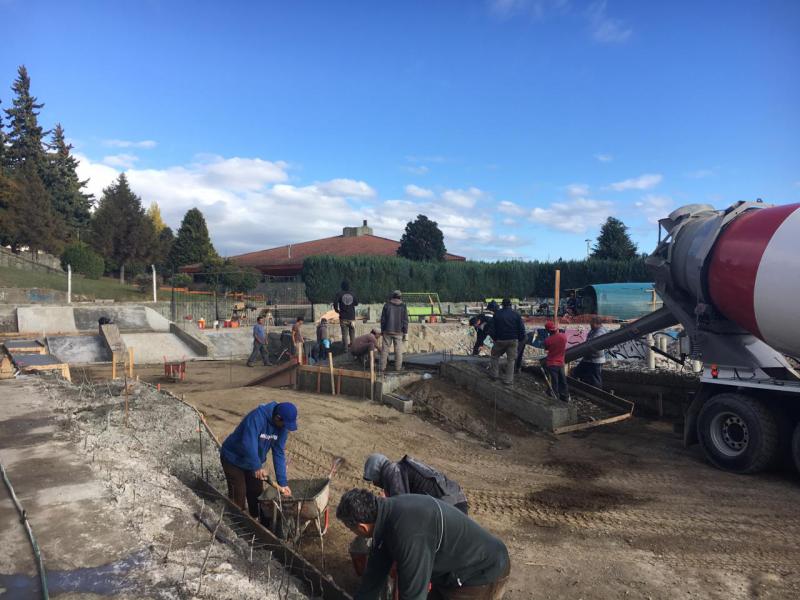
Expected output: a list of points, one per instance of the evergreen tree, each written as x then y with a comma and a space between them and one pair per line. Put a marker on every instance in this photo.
614, 243
9, 227
192, 244
154, 212
25, 136
164, 241
2, 142
28, 218
422, 240
120, 229
65, 187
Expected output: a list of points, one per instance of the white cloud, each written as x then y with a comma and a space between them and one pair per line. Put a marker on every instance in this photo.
509, 222
577, 190
604, 158
124, 161
417, 170
248, 205
605, 29
654, 207
99, 176
700, 173
144, 144
418, 192
510, 208
436, 158
536, 9
643, 182
346, 188
576, 216
462, 198
242, 173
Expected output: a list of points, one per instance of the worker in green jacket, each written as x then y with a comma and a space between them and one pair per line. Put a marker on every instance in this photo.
431, 542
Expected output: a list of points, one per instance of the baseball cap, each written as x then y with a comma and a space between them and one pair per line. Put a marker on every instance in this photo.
550, 326
288, 413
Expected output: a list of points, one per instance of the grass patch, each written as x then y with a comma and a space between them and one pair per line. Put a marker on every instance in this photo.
105, 287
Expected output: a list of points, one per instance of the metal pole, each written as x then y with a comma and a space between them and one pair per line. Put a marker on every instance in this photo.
557, 298
155, 294
69, 284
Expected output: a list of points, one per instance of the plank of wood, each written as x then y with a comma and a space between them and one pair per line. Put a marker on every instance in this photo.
334, 371
590, 424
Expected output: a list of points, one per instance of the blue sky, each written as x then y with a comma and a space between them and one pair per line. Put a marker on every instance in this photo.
519, 125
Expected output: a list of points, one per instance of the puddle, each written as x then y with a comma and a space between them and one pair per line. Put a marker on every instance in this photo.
105, 580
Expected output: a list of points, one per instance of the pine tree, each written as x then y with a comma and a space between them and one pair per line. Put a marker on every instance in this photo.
25, 135
192, 244
2, 142
29, 219
614, 243
422, 240
120, 229
154, 212
65, 187
164, 242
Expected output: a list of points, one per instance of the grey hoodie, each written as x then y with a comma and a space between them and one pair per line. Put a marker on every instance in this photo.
394, 318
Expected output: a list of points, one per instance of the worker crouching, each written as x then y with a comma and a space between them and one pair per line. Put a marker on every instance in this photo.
430, 542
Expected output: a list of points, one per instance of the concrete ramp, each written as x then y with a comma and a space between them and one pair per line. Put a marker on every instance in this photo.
127, 318
79, 349
46, 319
230, 343
152, 348
74, 319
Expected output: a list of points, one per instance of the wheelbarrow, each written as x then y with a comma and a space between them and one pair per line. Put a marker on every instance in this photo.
293, 515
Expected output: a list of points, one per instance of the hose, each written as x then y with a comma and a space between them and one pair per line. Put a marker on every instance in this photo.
24, 520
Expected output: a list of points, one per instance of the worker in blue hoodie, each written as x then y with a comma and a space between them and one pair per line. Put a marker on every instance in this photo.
244, 452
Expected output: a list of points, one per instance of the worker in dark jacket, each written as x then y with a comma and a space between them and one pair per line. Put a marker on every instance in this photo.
345, 306
481, 325
394, 330
410, 476
507, 331
431, 542
244, 452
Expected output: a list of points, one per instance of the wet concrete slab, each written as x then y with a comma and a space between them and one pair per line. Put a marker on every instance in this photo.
79, 349
69, 507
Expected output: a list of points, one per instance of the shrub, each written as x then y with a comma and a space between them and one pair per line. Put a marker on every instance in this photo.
83, 260
374, 277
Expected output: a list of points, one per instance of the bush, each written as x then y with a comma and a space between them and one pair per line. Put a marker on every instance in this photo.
83, 260
374, 277
181, 280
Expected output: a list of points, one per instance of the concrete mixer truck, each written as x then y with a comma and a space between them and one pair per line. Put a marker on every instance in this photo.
731, 278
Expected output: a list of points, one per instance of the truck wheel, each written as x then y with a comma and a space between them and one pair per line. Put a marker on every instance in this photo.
796, 446
738, 433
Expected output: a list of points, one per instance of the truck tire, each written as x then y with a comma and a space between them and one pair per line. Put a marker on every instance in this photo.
796, 446
738, 433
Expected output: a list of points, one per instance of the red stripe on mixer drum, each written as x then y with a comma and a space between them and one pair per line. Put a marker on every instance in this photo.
735, 263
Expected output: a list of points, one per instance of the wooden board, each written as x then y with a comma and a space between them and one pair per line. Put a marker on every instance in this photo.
339, 372
62, 368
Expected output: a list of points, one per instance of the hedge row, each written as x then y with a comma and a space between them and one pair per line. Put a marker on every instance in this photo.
374, 277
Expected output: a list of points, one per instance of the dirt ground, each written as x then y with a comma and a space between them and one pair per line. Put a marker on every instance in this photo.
618, 511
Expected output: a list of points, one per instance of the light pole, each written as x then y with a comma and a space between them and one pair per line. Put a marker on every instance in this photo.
587, 247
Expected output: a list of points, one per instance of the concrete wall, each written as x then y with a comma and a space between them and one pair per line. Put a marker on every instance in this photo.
31, 296
25, 260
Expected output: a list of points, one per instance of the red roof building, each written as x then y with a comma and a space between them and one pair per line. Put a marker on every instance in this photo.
288, 260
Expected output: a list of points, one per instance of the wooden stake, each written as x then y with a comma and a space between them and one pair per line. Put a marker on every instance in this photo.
125, 382
113, 365
557, 296
299, 349
372, 375
130, 363
330, 366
